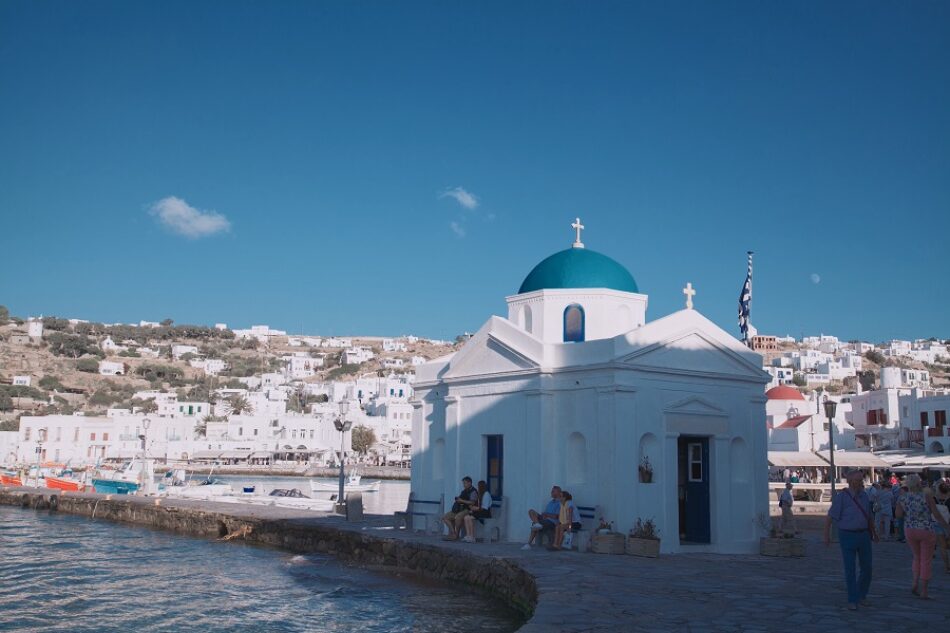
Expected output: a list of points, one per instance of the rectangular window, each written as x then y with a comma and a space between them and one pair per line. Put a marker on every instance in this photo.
26, 434
76, 434
255, 431
240, 430
695, 461
105, 437
92, 437
940, 418
311, 434
923, 419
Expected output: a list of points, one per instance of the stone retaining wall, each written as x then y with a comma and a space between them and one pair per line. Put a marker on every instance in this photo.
496, 576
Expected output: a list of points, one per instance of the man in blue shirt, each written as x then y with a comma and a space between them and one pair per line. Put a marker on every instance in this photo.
851, 512
545, 522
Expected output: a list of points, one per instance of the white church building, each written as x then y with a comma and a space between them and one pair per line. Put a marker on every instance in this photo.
577, 388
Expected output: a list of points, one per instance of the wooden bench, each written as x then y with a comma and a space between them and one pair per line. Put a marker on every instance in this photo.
590, 520
431, 511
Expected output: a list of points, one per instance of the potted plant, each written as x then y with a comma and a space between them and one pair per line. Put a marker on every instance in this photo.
605, 540
644, 539
646, 470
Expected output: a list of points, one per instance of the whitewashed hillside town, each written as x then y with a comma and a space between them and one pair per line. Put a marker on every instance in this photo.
282, 412
888, 407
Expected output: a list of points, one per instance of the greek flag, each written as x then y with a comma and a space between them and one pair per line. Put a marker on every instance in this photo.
745, 302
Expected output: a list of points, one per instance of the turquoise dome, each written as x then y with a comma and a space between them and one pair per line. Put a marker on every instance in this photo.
578, 268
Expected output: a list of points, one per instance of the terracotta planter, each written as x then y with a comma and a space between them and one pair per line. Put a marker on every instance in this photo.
643, 547
609, 543
786, 547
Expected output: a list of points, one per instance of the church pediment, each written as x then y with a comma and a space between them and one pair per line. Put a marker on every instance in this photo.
487, 356
695, 406
693, 352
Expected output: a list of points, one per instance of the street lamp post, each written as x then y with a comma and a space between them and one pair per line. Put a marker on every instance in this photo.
40, 436
144, 437
830, 407
342, 425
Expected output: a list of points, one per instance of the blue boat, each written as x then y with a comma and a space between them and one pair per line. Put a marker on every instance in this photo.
114, 486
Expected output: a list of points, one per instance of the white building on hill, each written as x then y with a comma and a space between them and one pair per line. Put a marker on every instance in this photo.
576, 388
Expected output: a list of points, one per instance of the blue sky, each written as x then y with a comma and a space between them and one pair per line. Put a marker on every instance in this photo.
319, 157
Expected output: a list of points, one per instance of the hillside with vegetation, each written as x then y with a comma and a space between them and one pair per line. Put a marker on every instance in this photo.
63, 366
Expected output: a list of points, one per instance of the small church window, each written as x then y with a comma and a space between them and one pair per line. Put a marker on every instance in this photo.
573, 323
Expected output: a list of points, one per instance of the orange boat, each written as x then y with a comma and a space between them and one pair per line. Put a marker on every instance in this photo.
57, 483
10, 480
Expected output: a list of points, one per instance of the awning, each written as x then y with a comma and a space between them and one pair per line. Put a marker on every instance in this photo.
916, 462
235, 455
206, 455
260, 455
795, 458
855, 459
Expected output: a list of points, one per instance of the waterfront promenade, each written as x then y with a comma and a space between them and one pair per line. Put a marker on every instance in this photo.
586, 592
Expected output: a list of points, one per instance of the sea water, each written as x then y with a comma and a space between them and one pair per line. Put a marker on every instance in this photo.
73, 574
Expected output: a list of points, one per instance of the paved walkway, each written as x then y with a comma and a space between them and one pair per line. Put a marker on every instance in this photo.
707, 592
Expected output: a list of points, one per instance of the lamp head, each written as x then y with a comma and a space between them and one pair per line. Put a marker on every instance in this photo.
830, 407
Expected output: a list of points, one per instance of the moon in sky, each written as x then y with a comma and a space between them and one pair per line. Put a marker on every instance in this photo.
815, 278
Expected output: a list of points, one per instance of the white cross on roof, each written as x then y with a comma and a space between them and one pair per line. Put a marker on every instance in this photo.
690, 292
577, 226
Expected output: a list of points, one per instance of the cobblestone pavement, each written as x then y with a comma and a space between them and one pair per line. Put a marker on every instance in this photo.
708, 592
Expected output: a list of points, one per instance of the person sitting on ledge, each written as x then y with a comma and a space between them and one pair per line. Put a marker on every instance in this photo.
481, 512
569, 521
545, 523
455, 518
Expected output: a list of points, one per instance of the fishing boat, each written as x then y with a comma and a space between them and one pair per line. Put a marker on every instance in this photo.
282, 498
353, 484
121, 482
10, 479
65, 483
207, 489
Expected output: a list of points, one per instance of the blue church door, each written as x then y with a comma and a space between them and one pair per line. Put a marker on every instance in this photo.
495, 467
694, 489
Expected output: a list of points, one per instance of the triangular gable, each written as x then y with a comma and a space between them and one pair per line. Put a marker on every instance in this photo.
695, 405
486, 354
693, 352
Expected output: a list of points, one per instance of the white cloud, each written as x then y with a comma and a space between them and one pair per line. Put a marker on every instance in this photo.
182, 218
457, 228
466, 199
815, 278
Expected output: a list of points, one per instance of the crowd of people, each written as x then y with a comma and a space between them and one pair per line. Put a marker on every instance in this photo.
910, 511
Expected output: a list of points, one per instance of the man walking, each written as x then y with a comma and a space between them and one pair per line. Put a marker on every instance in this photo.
851, 513
785, 503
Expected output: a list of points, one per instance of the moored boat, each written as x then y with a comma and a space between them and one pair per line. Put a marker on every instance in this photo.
114, 486
64, 483
10, 480
353, 484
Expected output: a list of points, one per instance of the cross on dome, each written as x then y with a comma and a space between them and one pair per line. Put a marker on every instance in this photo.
577, 226
690, 292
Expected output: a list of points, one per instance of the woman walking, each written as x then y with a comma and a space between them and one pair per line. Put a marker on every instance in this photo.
921, 518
